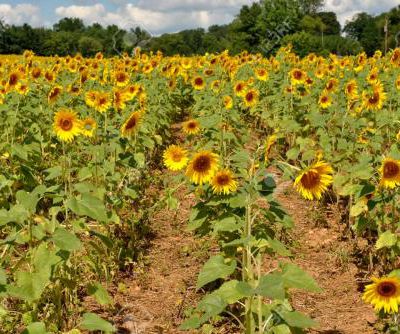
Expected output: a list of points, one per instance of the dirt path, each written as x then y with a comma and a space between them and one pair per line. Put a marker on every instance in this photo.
319, 250
155, 302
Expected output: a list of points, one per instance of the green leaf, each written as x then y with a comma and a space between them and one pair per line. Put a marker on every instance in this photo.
295, 277
297, 319
88, 205
226, 224
53, 172
192, 323
233, 291
66, 240
271, 286
99, 293
213, 269
3, 277
358, 208
35, 328
386, 239
27, 200
29, 286
93, 322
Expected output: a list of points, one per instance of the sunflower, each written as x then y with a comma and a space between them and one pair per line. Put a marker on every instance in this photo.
54, 94
351, 89
102, 102
224, 182
191, 127
261, 74
175, 158
202, 167
374, 100
22, 88
13, 79
121, 78
198, 83
131, 125
66, 125
325, 100
90, 98
390, 173
88, 127
297, 76
240, 88
227, 101
383, 293
314, 180
251, 98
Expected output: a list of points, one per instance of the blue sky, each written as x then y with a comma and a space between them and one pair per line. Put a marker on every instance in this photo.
156, 16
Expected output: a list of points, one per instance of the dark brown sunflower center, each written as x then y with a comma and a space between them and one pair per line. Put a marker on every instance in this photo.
390, 169
387, 289
198, 81
249, 97
374, 99
13, 79
223, 179
324, 99
54, 93
310, 179
297, 75
192, 125
131, 123
66, 124
202, 164
239, 87
121, 77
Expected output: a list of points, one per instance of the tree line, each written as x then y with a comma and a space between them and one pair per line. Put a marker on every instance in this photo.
262, 27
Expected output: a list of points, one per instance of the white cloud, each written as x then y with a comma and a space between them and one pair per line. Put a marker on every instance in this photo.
346, 9
158, 17
20, 14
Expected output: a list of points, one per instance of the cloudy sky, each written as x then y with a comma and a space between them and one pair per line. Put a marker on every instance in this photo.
156, 16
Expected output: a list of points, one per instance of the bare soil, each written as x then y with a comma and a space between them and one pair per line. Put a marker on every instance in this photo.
156, 300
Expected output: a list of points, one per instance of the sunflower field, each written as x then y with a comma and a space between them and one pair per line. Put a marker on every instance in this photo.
92, 148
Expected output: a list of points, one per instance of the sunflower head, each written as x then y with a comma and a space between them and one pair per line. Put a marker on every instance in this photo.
66, 125
175, 158
390, 173
54, 94
191, 127
88, 127
198, 83
202, 167
251, 98
131, 125
383, 293
224, 182
314, 180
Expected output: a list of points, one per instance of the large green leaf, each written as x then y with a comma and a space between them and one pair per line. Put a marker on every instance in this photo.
295, 277
271, 286
88, 205
29, 286
66, 240
215, 268
297, 319
93, 322
35, 328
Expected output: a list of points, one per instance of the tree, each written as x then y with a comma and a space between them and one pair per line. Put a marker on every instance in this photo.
89, 46
332, 25
364, 29
71, 24
311, 7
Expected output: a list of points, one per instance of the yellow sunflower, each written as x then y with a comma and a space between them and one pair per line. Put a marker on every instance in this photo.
121, 78
102, 102
54, 94
131, 125
66, 125
383, 293
351, 89
228, 102
390, 173
88, 127
191, 127
202, 167
251, 98
314, 180
297, 76
224, 182
175, 158
240, 88
325, 100
261, 74
374, 100
198, 83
